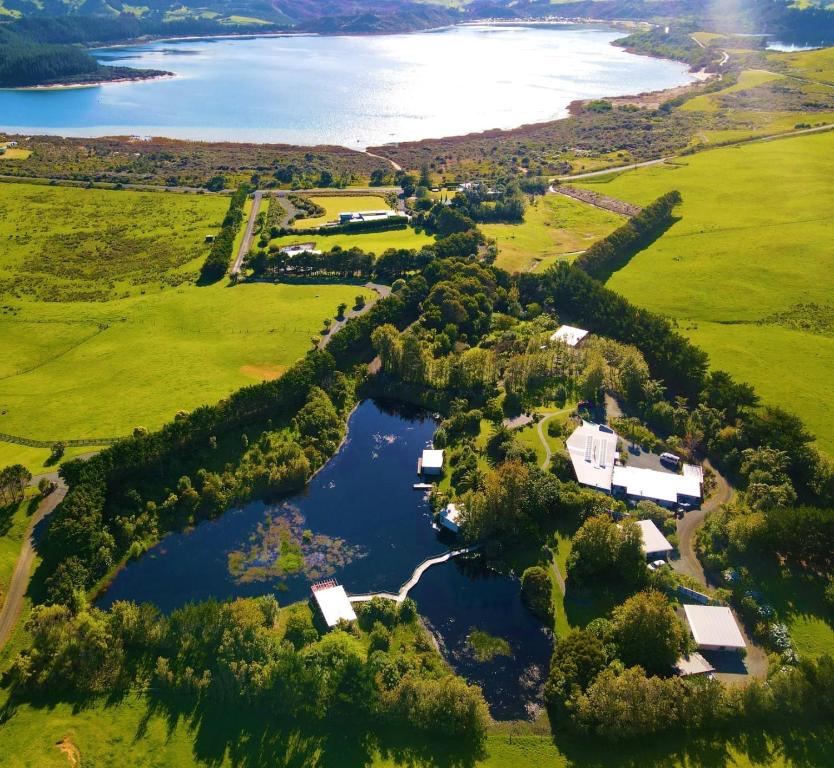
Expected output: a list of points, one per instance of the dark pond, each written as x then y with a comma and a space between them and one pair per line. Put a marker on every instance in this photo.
463, 596
360, 521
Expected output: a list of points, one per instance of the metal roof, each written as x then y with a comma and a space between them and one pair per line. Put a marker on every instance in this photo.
653, 539
333, 603
592, 449
569, 334
713, 626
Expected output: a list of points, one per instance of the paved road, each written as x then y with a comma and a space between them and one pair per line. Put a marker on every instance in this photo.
20, 578
688, 562
246, 243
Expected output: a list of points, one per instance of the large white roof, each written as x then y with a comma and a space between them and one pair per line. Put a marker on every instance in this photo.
333, 603
713, 626
652, 484
653, 539
569, 334
592, 449
432, 459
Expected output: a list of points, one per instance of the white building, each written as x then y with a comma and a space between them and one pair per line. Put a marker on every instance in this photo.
432, 462
592, 449
714, 628
655, 544
665, 488
450, 517
571, 336
333, 603
346, 217
299, 248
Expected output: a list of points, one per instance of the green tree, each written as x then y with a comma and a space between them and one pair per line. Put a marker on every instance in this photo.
648, 633
537, 592
577, 659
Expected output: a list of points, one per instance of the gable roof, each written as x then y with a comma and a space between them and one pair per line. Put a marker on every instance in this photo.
713, 625
653, 539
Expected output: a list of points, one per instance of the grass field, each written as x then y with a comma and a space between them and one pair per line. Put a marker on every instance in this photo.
13, 523
336, 204
371, 242
104, 328
754, 239
554, 227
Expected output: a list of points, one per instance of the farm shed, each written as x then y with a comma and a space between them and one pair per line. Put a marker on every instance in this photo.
714, 628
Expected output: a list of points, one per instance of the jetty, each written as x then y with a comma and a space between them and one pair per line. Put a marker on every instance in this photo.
415, 577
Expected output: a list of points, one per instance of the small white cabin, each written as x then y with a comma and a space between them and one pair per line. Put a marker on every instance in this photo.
450, 517
431, 462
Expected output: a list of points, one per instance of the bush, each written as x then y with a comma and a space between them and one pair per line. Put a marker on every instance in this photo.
537, 592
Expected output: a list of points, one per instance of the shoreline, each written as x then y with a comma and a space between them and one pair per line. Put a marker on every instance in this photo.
92, 83
698, 77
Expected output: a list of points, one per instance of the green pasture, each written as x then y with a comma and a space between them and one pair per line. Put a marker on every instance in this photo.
14, 520
753, 239
336, 204
143, 358
371, 242
555, 227
104, 327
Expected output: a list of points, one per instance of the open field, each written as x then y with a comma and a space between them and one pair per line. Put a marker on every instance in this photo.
13, 522
335, 204
554, 226
104, 328
371, 242
753, 241
125, 733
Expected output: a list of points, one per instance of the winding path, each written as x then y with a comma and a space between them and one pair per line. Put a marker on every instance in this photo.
22, 570
415, 577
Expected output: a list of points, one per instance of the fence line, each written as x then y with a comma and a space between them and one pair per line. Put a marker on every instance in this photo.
31, 443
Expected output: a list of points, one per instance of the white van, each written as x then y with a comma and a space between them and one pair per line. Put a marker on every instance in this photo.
670, 458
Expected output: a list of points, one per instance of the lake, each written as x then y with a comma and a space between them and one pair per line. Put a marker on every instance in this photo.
359, 521
352, 91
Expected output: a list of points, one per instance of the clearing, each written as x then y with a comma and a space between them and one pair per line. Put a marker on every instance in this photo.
336, 204
555, 227
747, 269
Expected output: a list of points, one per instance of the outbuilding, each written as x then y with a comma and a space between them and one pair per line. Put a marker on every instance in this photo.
655, 544
431, 462
450, 517
570, 335
333, 602
667, 489
714, 628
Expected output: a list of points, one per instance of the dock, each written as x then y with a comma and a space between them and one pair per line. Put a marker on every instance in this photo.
422, 486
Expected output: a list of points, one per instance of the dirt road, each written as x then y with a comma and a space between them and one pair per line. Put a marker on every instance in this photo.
246, 243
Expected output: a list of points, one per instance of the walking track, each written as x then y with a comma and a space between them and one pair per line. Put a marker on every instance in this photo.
415, 577
20, 578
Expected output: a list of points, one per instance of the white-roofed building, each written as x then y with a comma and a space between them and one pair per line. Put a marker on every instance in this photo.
655, 544
333, 603
431, 462
570, 335
299, 248
714, 628
592, 449
665, 488
450, 517
694, 664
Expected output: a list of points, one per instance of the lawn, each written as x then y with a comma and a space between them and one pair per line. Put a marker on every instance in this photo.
753, 240
555, 227
371, 242
104, 328
13, 523
336, 204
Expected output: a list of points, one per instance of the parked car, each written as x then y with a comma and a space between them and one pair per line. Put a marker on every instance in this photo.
656, 565
671, 459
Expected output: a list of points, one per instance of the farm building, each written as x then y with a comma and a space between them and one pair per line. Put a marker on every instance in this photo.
714, 628
592, 449
449, 517
332, 602
346, 217
431, 463
655, 544
571, 336
665, 488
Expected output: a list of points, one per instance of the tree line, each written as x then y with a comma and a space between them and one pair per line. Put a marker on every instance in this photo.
217, 260
613, 252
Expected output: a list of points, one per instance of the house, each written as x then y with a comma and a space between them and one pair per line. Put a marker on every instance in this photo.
694, 664
592, 449
571, 336
667, 489
11, 144
449, 517
714, 628
431, 462
333, 602
299, 248
655, 544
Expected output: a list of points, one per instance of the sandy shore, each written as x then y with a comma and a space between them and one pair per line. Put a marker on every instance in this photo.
91, 84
